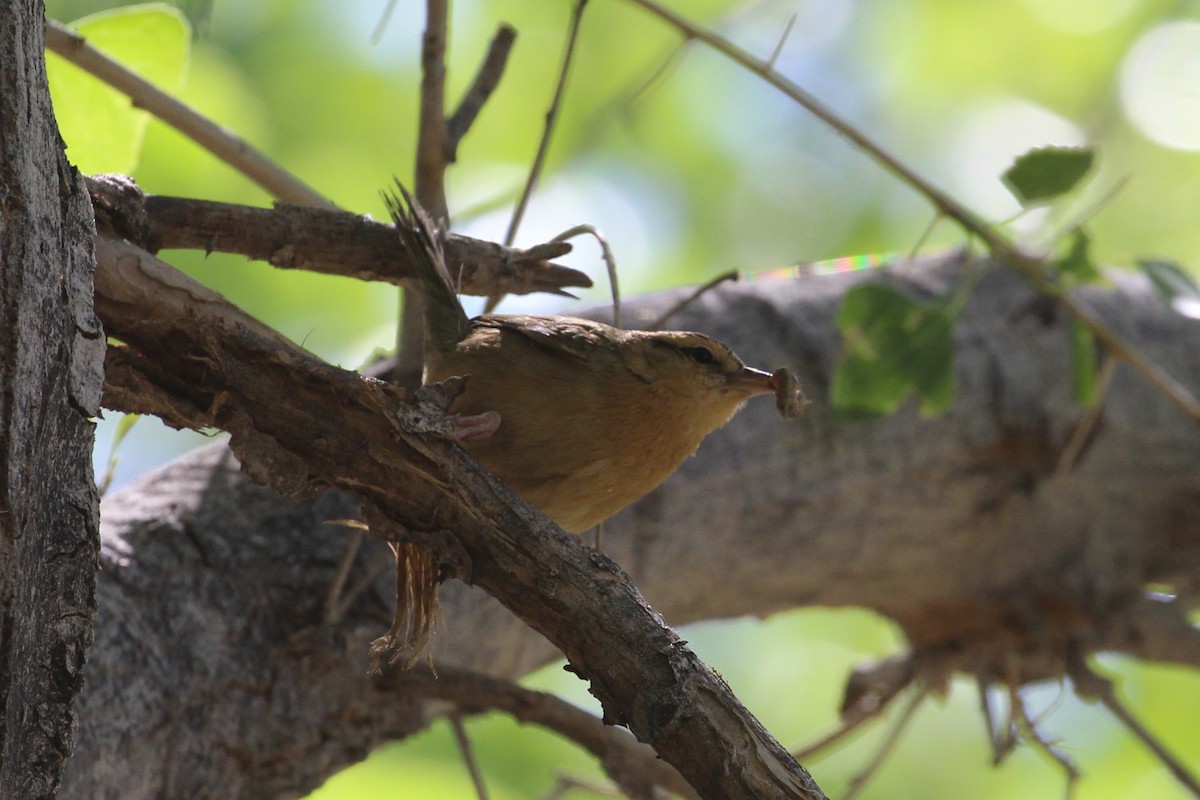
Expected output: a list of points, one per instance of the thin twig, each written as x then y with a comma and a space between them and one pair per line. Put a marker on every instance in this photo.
893, 736
1003, 742
377, 34
566, 783
787, 31
486, 81
732, 275
1032, 268
609, 262
1030, 727
1082, 432
539, 158
850, 723
468, 754
1089, 684
365, 582
333, 598
219, 141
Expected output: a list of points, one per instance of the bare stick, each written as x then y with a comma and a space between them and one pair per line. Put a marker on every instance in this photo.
787, 31
566, 783
219, 141
1032, 268
333, 599
1082, 433
377, 34
539, 158
732, 275
486, 81
860, 780
1004, 741
1089, 684
609, 262
631, 765
1030, 727
319, 240
356, 590
850, 723
468, 754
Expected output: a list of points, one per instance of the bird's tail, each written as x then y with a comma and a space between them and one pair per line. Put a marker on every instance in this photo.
446, 323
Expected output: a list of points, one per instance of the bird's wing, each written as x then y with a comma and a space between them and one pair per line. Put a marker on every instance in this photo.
579, 338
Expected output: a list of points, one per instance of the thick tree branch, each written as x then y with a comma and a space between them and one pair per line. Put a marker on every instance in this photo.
961, 528
337, 429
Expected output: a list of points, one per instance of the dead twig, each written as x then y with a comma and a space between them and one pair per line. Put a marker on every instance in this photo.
486, 81
731, 276
468, 754
1089, 685
539, 158
609, 262
318, 240
889, 742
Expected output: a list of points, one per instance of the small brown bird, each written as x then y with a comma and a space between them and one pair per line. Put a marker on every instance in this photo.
590, 417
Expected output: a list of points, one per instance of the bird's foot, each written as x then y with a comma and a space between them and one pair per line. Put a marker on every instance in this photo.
468, 428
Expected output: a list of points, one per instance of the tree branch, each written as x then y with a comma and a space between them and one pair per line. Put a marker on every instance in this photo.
341, 430
486, 81
1034, 268
960, 528
319, 240
633, 766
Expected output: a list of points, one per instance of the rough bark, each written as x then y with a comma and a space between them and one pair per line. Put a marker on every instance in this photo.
213, 673
51, 351
297, 423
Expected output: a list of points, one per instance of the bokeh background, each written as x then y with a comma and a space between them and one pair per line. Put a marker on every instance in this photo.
692, 166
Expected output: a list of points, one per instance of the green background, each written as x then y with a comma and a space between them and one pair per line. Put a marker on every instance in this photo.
698, 171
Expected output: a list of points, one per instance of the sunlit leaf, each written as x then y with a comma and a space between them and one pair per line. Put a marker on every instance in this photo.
102, 129
894, 346
123, 428
1176, 288
1047, 172
1076, 267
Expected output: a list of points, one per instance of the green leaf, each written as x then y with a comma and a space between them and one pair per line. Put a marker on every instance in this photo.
102, 129
1076, 267
1176, 288
1083, 364
893, 346
110, 469
1047, 172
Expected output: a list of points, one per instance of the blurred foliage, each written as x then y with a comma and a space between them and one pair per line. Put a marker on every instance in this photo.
692, 167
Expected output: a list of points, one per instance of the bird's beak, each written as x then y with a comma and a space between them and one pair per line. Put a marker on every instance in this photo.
753, 382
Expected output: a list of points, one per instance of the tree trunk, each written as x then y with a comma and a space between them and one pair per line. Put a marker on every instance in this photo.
51, 355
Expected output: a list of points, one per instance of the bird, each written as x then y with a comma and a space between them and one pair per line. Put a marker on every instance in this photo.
578, 417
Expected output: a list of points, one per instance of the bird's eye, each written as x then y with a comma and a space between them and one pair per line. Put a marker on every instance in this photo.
701, 355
